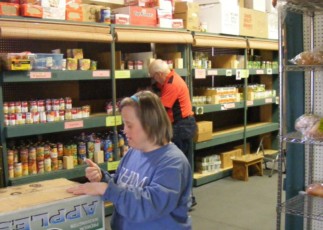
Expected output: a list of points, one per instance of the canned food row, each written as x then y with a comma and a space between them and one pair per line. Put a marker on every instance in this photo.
13, 119
37, 105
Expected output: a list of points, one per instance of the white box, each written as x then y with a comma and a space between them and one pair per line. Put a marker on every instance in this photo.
255, 5
272, 25
204, 2
51, 3
54, 13
165, 23
220, 18
47, 205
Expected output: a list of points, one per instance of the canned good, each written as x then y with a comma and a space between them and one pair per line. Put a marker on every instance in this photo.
60, 164
41, 105
56, 115
23, 119
6, 119
74, 113
32, 154
40, 151
46, 151
17, 170
40, 167
18, 107
48, 104
81, 152
50, 116
5, 107
42, 117
11, 171
12, 119
93, 65
68, 114
54, 164
130, 65
53, 151
61, 104
29, 118
10, 157
25, 169
11, 107
35, 117
55, 104
32, 167
105, 15
60, 149
139, 64
68, 103
24, 106
33, 106
90, 150
23, 152
86, 111
61, 115
48, 165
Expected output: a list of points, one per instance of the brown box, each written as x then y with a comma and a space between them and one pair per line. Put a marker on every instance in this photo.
186, 7
253, 23
191, 21
241, 147
91, 13
226, 157
204, 131
227, 61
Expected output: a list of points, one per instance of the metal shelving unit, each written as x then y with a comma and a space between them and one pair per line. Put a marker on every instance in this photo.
301, 210
237, 132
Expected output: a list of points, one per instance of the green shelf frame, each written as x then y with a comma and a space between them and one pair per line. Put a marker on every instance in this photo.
237, 134
56, 75
201, 109
138, 73
224, 72
212, 177
64, 173
95, 121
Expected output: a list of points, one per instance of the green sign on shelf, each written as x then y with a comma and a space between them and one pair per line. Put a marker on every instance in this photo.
122, 74
113, 121
113, 165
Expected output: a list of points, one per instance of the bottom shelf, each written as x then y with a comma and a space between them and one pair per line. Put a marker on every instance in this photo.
304, 205
200, 179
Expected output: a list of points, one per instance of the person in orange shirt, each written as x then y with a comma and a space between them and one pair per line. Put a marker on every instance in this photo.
175, 97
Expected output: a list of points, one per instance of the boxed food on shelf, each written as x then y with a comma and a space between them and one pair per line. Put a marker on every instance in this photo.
259, 5
253, 23
56, 3
226, 157
207, 167
220, 18
122, 19
74, 15
227, 61
9, 9
16, 61
91, 13
74, 4
139, 15
47, 61
28, 10
189, 13
54, 13
204, 131
47, 205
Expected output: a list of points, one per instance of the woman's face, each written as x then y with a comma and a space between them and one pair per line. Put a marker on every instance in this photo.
135, 134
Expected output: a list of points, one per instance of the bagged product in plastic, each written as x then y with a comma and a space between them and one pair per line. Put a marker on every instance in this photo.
315, 189
314, 57
311, 126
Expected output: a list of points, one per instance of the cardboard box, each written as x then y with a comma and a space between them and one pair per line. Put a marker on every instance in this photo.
253, 23
139, 15
272, 19
186, 7
55, 4
229, 2
259, 5
226, 157
91, 13
122, 19
9, 9
54, 13
74, 15
191, 21
47, 205
220, 18
204, 131
34, 11
141, 56
227, 61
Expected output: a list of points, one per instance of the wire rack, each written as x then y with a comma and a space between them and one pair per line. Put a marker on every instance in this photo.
297, 137
304, 205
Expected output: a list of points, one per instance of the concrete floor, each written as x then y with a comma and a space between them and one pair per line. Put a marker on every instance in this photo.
229, 204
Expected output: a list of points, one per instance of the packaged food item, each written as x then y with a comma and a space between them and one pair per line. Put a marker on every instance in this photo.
311, 126
84, 64
314, 57
28, 10
9, 9
71, 64
315, 189
16, 61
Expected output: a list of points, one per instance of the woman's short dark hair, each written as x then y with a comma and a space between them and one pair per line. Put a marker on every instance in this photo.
152, 116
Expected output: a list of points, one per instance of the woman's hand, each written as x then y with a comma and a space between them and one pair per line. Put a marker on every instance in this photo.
93, 171
90, 188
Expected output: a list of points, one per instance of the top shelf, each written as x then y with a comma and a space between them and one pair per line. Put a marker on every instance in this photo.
301, 6
304, 67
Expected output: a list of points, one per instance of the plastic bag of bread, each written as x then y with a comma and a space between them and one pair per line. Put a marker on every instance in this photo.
315, 189
314, 57
311, 126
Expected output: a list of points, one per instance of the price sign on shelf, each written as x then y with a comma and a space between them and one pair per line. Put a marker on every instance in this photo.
113, 121
73, 124
242, 73
249, 103
228, 72
40, 75
120, 74
268, 100
200, 73
260, 71
269, 71
212, 72
228, 106
101, 73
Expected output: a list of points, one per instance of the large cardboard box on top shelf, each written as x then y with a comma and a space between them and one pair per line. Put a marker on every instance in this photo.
139, 15
220, 18
253, 23
228, 61
189, 12
47, 205
204, 131
226, 157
